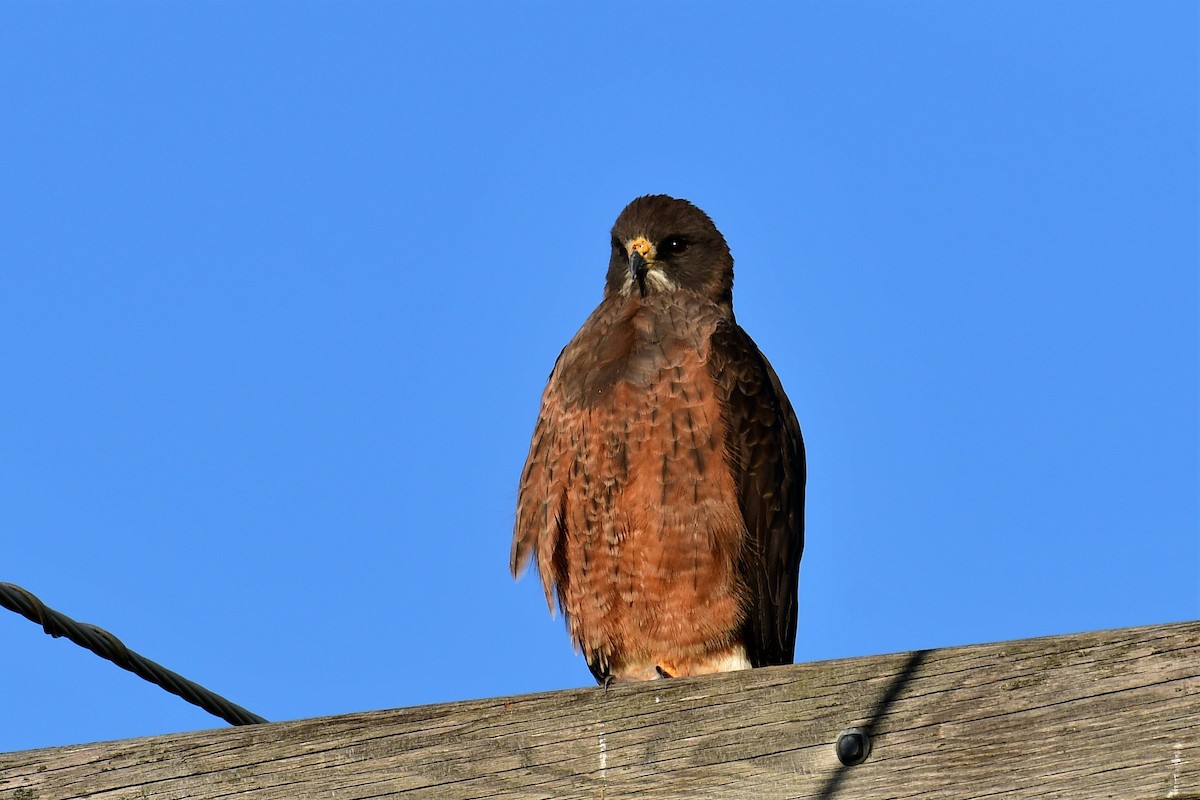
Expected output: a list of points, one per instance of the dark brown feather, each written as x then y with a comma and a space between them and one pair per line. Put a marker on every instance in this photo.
766, 451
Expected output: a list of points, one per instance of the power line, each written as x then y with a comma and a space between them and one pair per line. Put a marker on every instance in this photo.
105, 645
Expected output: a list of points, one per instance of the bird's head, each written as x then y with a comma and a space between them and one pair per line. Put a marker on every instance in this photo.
662, 244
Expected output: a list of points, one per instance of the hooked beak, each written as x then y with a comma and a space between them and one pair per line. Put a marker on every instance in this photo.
641, 256
637, 266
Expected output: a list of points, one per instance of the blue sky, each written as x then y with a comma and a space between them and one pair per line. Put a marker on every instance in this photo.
281, 284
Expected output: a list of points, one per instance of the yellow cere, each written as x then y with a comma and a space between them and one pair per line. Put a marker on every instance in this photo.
643, 246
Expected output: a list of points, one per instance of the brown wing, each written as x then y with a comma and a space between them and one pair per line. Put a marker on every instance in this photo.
541, 491
766, 452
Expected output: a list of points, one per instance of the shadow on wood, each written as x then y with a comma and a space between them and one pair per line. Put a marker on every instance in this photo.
829, 790
1110, 714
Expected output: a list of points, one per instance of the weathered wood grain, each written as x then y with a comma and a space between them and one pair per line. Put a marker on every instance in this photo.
1112, 714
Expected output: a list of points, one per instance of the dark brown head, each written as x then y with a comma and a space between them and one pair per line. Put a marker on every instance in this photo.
661, 244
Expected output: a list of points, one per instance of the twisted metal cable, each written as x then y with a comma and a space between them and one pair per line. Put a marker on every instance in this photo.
105, 645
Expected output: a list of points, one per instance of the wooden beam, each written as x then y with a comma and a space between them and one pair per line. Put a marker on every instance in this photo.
1112, 714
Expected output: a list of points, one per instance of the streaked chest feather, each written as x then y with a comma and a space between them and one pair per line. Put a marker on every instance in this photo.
651, 530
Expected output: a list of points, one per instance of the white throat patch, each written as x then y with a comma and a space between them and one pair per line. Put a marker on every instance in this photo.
656, 281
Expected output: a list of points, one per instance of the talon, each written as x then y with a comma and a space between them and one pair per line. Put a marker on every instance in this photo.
662, 673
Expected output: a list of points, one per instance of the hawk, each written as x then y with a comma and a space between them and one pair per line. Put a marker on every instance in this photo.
663, 495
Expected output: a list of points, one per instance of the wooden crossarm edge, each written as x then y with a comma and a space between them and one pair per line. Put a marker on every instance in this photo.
1105, 714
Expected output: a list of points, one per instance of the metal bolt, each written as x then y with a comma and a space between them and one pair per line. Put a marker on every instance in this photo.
853, 746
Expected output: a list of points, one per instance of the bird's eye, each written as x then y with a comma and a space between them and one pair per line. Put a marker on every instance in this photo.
673, 245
